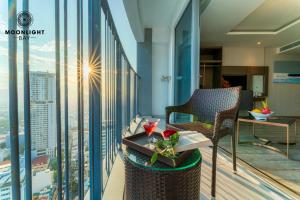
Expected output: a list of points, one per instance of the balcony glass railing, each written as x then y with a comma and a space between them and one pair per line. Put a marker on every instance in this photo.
70, 92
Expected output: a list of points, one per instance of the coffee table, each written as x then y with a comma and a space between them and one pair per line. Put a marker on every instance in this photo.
284, 122
160, 181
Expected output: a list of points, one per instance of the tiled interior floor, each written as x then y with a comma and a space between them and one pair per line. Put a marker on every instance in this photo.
273, 164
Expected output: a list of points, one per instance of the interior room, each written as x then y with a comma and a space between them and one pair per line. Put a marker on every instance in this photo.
257, 48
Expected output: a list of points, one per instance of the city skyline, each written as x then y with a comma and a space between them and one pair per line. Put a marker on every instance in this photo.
42, 49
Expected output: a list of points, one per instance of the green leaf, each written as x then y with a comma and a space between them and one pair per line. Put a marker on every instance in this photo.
207, 126
166, 143
265, 104
174, 139
159, 144
154, 158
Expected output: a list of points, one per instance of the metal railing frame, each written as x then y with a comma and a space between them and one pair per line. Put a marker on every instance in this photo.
58, 101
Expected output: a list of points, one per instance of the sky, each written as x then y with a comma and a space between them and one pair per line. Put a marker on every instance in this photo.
42, 48
124, 30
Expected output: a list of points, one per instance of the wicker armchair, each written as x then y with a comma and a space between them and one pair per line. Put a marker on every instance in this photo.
218, 107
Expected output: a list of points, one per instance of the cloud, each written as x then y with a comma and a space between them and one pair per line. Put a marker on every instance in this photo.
3, 26
3, 38
48, 47
45, 62
41, 58
3, 51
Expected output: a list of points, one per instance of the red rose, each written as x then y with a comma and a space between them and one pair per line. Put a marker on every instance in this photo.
167, 133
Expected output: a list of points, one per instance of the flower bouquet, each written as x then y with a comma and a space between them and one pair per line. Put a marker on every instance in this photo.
165, 146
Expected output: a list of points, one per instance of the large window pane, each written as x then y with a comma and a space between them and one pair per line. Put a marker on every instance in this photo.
43, 101
5, 158
72, 95
86, 71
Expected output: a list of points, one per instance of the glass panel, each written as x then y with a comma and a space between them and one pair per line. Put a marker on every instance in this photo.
43, 99
127, 93
5, 158
43, 102
86, 72
73, 93
131, 94
124, 93
182, 80
104, 92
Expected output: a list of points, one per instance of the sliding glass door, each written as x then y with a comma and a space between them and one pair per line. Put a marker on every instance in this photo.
183, 43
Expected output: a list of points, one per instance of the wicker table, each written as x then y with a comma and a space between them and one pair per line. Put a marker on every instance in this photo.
160, 182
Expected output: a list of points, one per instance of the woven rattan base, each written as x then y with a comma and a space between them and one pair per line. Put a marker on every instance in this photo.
147, 184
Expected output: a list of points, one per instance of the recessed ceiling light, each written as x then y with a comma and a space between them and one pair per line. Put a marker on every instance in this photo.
258, 43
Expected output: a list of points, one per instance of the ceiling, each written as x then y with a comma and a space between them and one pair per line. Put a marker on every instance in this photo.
272, 15
157, 13
274, 23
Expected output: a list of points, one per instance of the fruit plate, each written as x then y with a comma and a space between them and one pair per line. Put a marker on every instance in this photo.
260, 116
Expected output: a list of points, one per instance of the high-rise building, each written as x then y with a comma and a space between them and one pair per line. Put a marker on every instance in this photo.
43, 118
5, 181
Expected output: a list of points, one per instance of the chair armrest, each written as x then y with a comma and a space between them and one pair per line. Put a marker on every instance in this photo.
230, 114
179, 109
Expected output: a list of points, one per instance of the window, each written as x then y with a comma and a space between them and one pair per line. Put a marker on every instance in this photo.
182, 70
53, 152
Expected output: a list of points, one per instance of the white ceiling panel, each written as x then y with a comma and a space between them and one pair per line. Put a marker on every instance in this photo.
272, 15
221, 17
157, 13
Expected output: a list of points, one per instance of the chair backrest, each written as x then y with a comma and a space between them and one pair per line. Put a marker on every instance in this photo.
205, 103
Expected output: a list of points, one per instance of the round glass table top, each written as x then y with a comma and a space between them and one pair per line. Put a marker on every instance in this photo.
140, 160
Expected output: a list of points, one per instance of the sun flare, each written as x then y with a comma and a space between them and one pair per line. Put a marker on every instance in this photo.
86, 71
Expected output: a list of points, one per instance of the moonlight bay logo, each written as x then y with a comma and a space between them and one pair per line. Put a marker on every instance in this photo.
24, 21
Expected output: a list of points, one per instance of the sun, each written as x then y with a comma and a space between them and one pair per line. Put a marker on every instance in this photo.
86, 71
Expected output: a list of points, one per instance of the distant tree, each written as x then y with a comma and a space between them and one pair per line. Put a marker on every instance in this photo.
74, 187
74, 180
54, 177
6, 158
53, 164
3, 146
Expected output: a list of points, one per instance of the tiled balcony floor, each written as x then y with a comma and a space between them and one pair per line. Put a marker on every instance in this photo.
240, 186
246, 184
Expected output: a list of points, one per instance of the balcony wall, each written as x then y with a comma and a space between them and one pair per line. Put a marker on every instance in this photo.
162, 21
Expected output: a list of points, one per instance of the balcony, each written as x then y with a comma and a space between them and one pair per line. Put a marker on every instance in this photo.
75, 74
247, 183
